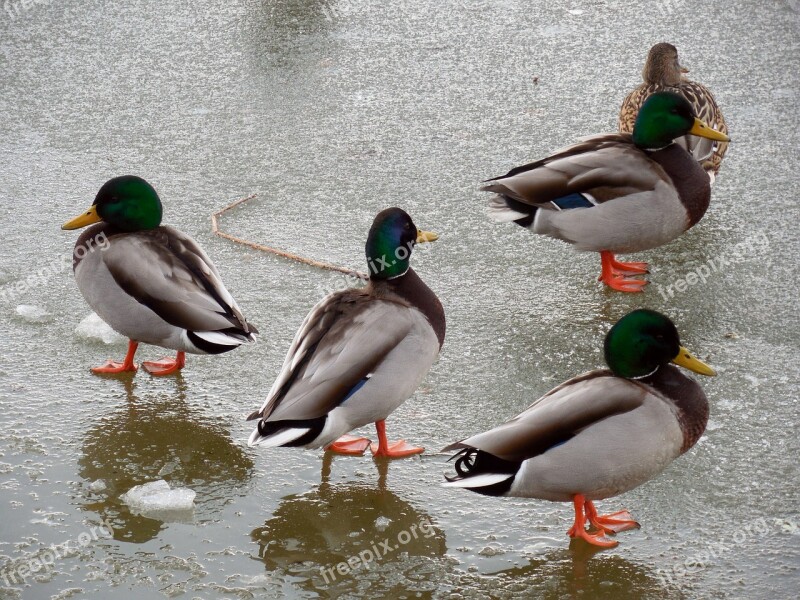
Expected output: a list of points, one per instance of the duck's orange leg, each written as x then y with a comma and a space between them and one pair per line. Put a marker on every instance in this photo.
165, 366
399, 449
578, 529
621, 520
618, 275
349, 445
113, 366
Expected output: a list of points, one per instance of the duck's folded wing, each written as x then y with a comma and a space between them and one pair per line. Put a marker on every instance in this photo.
339, 345
558, 416
605, 166
169, 273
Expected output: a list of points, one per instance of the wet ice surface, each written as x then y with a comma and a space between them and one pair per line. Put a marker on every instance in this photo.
330, 112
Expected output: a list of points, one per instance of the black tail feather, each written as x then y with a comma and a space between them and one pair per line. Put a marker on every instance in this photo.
266, 428
471, 462
212, 348
521, 207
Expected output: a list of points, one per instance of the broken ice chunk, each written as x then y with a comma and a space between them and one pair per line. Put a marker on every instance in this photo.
158, 499
32, 314
97, 486
94, 328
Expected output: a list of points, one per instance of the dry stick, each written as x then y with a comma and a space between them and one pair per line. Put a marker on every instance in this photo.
306, 261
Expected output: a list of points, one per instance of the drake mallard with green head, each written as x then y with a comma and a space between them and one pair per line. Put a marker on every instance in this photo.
359, 354
663, 72
150, 282
614, 193
599, 434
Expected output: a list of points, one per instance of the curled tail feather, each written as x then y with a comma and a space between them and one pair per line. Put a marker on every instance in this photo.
482, 472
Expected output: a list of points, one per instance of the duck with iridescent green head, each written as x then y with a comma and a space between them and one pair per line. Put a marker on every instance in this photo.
150, 282
359, 354
614, 193
599, 434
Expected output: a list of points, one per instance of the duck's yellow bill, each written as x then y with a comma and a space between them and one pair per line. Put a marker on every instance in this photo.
687, 361
87, 218
700, 129
426, 236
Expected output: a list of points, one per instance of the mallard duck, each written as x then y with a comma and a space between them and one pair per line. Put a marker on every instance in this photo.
599, 434
616, 192
663, 72
359, 354
150, 282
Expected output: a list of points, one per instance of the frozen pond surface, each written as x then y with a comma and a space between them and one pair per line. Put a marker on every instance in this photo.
331, 111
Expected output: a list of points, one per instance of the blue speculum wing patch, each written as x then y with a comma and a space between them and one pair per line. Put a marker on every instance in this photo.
356, 387
572, 201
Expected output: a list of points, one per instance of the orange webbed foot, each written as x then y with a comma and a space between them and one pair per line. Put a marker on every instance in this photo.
399, 449
638, 268
578, 529
624, 284
165, 366
349, 445
633, 268
595, 539
619, 275
615, 522
114, 366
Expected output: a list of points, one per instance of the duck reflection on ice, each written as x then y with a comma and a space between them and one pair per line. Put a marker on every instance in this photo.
349, 537
160, 437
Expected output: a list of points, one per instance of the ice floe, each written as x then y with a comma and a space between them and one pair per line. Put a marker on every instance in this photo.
94, 328
157, 499
32, 314
97, 486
